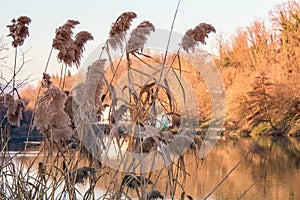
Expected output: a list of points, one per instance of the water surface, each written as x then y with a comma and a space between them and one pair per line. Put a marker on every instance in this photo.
270, 171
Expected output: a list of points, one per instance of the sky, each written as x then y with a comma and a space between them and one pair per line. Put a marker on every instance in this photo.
96, 16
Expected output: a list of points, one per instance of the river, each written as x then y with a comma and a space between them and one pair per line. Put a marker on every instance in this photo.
270, 171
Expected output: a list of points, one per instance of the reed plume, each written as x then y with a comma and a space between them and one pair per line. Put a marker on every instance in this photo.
81, 39
94, 84
198, 34
46, 82
63, 38
18, 30
138, 37
121, 25
87, 95
50, 118
70, 50
14, 109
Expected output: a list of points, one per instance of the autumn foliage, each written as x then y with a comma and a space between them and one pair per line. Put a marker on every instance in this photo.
260, 69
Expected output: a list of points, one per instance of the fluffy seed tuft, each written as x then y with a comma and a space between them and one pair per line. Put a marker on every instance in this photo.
198, 34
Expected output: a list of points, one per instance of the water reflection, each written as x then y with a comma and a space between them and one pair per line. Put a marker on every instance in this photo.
273, 168
270, 171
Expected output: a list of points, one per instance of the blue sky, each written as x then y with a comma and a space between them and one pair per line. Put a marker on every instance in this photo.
96, 17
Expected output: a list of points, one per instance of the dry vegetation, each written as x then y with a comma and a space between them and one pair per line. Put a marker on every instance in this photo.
259, 68
63, 114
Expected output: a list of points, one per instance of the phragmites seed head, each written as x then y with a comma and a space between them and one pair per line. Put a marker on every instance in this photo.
138, 37
94, 84
198, 34
80, 40
96, 76
46, 82
121, 25
64, 35
70, 50
14, 109
63, 38
24, 20
9, 102
50, 118
18, 30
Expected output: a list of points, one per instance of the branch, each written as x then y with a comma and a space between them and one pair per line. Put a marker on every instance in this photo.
18, 70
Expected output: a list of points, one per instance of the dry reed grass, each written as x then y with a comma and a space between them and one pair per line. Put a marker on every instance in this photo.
18, 30
50, 118
138, 37
119, 27
70, 50
198, 34
55, 172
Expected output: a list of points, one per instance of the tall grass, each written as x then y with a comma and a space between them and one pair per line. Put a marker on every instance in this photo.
71, 133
